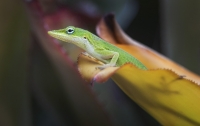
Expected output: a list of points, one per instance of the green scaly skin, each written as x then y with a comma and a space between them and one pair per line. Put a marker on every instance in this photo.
96, 47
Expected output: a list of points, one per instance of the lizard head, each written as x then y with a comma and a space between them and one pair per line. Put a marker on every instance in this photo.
72, 35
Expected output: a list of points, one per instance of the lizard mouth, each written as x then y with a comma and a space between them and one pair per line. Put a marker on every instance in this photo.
55, 35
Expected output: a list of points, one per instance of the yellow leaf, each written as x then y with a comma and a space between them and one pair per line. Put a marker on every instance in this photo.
170, 98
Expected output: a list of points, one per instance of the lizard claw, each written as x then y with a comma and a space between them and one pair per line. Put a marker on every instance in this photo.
105, 66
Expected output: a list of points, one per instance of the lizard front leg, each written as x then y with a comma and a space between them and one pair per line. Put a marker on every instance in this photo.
106, 55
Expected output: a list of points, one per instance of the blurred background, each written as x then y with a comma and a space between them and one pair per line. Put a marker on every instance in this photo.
36, 90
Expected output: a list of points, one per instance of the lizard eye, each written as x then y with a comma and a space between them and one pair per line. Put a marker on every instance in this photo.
70, 31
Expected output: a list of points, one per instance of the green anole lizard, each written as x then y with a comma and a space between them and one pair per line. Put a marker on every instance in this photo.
107, 53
